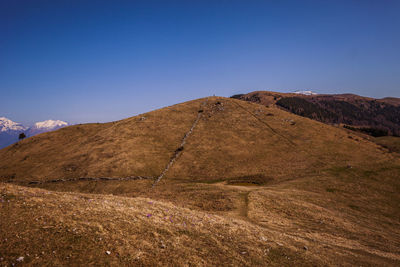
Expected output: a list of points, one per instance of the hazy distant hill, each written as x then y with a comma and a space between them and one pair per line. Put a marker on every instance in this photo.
377, 117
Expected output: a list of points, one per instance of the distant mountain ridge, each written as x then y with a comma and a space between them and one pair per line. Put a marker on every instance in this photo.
9, 125
377, 117
10, 130
45, 126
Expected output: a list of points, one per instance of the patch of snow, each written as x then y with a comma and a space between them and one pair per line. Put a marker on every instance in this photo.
305, 93
10, 130
9, 125
50, 124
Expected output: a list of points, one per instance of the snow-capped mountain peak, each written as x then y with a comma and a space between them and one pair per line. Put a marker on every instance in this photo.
50, 124
9, 125
305, 92
10, 130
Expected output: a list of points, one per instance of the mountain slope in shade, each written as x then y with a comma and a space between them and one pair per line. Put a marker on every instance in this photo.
373, 116
9, 131
8, 138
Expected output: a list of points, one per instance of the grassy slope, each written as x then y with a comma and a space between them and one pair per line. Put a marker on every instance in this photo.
232, 139
129, 147
392, 143
49, 229
336, 195
249, 139
351, 213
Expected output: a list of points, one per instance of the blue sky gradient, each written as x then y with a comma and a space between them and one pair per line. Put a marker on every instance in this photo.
96, 61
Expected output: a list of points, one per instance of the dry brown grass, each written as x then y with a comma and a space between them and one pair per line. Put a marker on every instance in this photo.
392, 143
50, 229
248, 173
133, 146
351, 213
232, 140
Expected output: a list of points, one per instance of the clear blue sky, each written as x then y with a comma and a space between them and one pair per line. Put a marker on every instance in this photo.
96, 61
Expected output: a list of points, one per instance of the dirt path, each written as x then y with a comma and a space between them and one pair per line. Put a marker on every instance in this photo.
241, 212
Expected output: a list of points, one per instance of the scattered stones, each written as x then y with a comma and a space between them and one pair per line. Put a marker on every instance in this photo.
162, 245
290, 121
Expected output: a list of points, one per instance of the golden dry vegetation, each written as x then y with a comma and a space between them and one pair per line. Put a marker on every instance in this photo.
392, 143
252, 186
232, 139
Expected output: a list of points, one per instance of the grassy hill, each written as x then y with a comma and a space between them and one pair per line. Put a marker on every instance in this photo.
246, 185
232, 139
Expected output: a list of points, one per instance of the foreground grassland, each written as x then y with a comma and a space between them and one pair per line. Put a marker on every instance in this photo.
48, 228
252, 186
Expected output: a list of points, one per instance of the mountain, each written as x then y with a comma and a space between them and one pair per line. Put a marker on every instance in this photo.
213, 181
7, 125
377, 117
10, 130
45, 126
